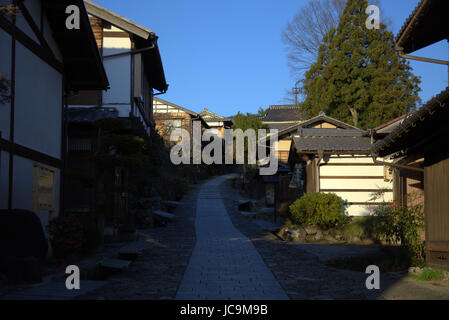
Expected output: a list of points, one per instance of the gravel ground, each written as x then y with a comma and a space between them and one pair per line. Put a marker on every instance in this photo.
301, 268
157, 273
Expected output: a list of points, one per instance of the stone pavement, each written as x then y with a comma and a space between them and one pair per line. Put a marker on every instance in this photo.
224, 263
54, 291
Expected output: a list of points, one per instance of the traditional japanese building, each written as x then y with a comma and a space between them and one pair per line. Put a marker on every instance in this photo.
169, 116
281, 117
328, 155
44, 62
133, 63
424, 134
216, 122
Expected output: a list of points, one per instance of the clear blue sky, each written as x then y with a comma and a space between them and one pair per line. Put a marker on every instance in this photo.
228, 55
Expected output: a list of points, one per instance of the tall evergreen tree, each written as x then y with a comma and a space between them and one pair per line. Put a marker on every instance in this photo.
358, 77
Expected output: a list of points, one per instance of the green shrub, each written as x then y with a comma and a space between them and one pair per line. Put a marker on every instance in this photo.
401, 224
322, 210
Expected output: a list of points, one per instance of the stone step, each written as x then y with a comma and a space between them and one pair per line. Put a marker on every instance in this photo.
133, 250
115, 264
159, 214
171, 203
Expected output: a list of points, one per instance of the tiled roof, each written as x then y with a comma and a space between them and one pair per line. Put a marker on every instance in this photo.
282, 113
327, 132
281, 126
391, 125
162, 101
210, 116
426, 25
331, 140
424, 121
409, 19
332, 144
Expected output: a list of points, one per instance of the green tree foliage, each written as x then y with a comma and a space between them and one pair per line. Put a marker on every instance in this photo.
248, 121
358, 77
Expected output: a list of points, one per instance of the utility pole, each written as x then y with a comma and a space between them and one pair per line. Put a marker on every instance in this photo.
296, 90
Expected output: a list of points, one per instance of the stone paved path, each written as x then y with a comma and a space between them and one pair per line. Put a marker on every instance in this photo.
224, 263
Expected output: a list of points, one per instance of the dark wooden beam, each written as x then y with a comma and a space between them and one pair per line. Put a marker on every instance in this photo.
24, 152
30, 44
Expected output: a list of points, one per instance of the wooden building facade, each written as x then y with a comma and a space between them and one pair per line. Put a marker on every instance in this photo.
424, 134
331, 156
44, 61
169, 116
284, 118
216, 122
133, 64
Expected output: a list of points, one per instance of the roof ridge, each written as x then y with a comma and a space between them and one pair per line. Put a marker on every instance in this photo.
176, 106
283, 106
116, 15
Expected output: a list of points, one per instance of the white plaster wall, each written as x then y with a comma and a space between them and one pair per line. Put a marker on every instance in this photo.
118, 70
354, 183
23, 175
23, 25
358, 211
363, 196
5, 70
4, 179
35, 9
38, 104
330, 170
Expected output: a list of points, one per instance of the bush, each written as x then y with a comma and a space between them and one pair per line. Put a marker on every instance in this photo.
322, 210
401, 224
66, 236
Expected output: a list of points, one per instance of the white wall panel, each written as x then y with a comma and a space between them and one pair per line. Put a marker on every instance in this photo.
118, 70
330, 170
363, 196
38, 104
355, 184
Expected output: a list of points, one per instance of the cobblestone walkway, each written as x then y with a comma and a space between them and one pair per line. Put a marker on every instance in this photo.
224, 263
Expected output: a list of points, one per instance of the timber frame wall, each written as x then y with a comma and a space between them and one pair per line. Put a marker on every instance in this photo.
8, 140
